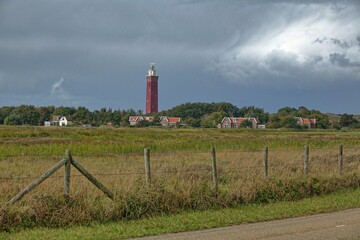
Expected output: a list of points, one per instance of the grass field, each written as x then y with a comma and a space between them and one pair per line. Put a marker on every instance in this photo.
54, 141
180, 171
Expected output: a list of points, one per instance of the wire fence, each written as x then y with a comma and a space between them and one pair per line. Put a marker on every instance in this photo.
123, 171
24, 167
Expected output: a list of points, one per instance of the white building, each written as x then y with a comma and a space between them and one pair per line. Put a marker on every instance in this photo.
65, 121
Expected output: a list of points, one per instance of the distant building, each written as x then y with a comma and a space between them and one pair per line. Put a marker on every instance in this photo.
65, 121
306, 122
55, 120
134, 120
169, 121
235, 122
164, 121
59, 121
152, 90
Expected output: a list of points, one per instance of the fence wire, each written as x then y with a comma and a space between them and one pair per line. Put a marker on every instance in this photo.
127, 170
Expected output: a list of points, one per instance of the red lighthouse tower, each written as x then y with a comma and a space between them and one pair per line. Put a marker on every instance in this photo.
152, 90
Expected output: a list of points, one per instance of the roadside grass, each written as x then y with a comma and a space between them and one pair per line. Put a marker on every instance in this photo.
189, 220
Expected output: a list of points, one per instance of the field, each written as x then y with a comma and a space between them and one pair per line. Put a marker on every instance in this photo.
181, 171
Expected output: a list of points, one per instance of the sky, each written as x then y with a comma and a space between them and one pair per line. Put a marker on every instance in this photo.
265, 53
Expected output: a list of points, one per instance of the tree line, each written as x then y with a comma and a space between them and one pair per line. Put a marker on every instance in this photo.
205, 115
36, 116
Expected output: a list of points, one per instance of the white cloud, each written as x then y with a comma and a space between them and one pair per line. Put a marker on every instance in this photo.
57, 90
318, 47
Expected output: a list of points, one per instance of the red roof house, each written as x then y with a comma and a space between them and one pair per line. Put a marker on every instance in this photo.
133, 120
306, 122
169, 121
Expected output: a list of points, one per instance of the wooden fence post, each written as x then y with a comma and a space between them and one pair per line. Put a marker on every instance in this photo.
340, 159
266, 166
147, 165
306, 160
67, 172
67, 161
92, 179
214, 169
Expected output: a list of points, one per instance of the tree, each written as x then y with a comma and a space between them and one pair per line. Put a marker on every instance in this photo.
143, 123
246, 124
274, 121
116, 117
31, 117
103, 116
82, 115
322, 120
347, 120
212, 120
64, 111
252, 111
287, 111
303, 112
125, 115
5, 112
199, 110
193, 122
12, 119
290, 122
227, 108
45, 113
25, 114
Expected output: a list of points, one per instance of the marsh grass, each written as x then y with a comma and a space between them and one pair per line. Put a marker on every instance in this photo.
181, 177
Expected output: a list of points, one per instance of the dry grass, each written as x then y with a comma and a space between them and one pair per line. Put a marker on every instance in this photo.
181, 180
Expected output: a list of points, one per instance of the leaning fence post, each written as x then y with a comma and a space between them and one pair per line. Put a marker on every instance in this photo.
92, 179
67, 172
340, 160
214, 169
266, 166
306, 160
147, 165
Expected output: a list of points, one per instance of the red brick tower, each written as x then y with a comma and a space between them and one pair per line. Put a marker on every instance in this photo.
152, 90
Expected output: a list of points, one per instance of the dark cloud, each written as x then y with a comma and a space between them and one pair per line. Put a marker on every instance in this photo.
336, 8
342, 61
281, 61
343, 44
316, 59
102, 50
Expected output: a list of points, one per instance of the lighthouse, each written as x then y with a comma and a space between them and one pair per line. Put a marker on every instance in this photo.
152, 90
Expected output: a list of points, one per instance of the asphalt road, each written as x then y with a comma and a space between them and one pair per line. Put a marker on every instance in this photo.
337, 225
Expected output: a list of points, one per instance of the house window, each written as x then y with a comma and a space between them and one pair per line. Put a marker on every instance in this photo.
226, 126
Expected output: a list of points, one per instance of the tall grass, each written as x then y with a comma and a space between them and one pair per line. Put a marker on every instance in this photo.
180, 171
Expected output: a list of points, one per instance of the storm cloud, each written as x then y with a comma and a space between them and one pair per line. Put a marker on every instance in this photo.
204, 51
342, 61
316, 47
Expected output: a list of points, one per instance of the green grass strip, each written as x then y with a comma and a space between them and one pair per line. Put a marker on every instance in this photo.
188, 221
